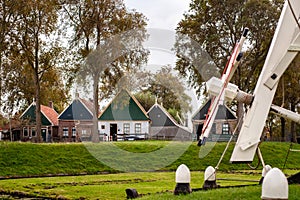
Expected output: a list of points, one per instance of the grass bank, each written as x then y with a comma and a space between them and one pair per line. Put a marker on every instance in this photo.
27, 159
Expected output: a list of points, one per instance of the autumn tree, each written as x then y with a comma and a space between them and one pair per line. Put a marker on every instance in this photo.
32, 55
216, 26
7, 18
108, 37
168, 90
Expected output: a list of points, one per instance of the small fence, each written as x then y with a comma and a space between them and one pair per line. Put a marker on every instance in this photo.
132, 136
220, 137
124, 137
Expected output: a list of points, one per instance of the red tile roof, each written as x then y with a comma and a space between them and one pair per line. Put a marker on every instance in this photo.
51, 114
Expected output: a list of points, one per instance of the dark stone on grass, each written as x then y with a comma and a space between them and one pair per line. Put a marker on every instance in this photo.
294, 179
182, 188
261, 180
210, 185
131, 193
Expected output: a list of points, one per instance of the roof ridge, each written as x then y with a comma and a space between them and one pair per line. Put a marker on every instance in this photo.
132, 97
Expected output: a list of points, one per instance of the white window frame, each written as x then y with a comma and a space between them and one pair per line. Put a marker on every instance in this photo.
73, 131
65, 131
138, 128
27, 132
126, 128
225, 129
33, 132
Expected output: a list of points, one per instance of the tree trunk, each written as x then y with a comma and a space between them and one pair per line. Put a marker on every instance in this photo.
38, 114
282, 120
37, 91
293, 126
95, 135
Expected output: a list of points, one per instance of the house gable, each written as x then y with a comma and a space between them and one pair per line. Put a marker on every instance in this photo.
223, 112
159, 117
30, 114
124, 107
76, 111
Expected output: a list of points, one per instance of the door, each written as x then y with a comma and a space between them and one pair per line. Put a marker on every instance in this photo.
113, 131
44, 131
199, 131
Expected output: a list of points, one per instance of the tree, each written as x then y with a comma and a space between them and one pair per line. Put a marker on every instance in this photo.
146, 99
32, 57
168, 90
100, 32
7, 18
287, 96
216, 26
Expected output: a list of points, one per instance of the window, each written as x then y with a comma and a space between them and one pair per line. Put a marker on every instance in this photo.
126, 128
33, 132
83, 132
138, 128
102, 126
225, 129
25, 132
73, 132
65, 132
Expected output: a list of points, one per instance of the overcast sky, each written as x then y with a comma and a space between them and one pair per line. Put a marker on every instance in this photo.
164, 14
163, 17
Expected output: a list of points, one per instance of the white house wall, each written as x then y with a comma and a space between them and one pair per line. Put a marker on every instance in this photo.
145, 127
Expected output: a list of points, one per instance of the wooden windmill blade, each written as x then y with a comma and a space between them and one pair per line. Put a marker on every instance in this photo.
219, 98
284, 47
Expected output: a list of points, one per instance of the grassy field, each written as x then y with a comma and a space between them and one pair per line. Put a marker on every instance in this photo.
150, 185
243, 193
27, 159
103, 182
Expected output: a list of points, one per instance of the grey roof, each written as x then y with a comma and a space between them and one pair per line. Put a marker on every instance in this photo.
223, 112
160, 117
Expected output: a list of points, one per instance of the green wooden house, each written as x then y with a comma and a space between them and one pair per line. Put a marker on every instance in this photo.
49, 123
124, 119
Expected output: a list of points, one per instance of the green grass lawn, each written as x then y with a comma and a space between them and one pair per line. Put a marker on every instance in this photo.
152, 185
105, 182
243, 193
27, 159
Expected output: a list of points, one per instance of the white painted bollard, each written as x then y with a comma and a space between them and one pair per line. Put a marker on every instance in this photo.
183, 180
210, 178
265, 170
275, 185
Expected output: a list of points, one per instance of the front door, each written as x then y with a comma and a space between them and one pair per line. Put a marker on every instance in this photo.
113, 131
44, 131
199, 131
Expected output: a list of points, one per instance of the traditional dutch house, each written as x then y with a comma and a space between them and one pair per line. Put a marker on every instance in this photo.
223, 126
124, 119
165, 127
76, 121
49, 123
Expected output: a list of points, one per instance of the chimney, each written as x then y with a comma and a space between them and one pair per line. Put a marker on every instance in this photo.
76, 95
51, 104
